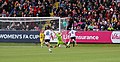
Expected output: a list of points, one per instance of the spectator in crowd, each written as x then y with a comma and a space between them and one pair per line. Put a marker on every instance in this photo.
87, 12
110, 28
90, 27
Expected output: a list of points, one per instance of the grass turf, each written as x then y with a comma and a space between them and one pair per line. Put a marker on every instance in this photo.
20, 52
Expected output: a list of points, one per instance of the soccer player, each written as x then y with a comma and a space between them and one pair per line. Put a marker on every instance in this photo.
72, 37
59, 38
41, 38
48, 35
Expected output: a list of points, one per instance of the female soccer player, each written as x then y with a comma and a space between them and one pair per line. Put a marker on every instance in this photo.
59, 38
72, 37
48, 35
41, 38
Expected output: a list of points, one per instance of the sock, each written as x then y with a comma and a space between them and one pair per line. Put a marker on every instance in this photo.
50, 50
73, 43
41, 45
68, 43
59, 46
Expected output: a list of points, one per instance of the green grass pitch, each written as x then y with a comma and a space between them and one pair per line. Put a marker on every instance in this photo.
82, 53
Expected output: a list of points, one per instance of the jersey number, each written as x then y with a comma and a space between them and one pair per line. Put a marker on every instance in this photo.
47, 33
72, 32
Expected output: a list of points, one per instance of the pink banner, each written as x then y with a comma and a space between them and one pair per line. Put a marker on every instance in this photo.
89, 36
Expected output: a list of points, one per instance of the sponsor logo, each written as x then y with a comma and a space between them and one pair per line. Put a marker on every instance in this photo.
82, 37
18, 36
115, 37
88, 37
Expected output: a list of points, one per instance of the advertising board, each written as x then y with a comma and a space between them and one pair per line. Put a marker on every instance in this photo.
94, 36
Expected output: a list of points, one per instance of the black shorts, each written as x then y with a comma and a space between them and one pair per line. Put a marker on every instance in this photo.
73, 38
47, 40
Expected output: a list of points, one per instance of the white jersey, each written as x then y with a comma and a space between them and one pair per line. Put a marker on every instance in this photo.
47, 34
72, 33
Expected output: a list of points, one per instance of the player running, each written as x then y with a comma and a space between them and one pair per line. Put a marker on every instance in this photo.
48, 35
72, 37
59, 38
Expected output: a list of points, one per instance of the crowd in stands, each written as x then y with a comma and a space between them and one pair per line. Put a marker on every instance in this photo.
85, 15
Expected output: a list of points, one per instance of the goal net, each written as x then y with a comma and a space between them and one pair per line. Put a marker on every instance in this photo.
27, 28
29, 23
